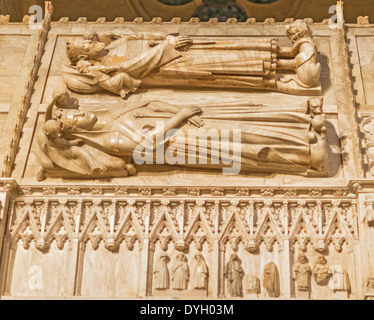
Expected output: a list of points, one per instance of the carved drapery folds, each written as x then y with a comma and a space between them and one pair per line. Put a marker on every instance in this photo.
118, 64
90, 144
104, 143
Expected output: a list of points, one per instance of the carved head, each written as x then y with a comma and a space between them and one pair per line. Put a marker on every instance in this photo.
234, 257
297, 30
302, 258
180, 257
321, 260
316, 105
84, 49
52, 128
83, 65
60, 96
75, 119
91, 36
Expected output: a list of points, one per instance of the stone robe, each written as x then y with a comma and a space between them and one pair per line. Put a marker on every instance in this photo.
271, 280
302, 276
180, 275
234, 274
200, 275
161, 275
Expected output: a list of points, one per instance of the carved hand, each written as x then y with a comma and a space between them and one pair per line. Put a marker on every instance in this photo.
77, 142
189, 112
196, 121
179, 42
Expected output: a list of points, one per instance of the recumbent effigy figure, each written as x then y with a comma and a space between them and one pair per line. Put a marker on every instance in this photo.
121, 64
105, 142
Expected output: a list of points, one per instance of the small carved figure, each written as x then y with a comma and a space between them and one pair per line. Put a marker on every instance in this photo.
234, 274
321, 271
103, 37
119, 83
201, 273
305, 62
4, 19
62, 99
69, 148
302, 273
180, 273
161, 273
254, 285
339, 280
271, 280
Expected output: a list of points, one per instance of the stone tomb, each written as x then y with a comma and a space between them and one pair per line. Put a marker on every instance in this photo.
81, 218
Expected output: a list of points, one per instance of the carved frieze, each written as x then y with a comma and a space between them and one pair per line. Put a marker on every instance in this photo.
183, 221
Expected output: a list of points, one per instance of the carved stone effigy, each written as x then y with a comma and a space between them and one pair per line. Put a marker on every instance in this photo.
103, 143
120, 64
302, 274
122, 175
161, 273
271, 280
201, 273
321, 271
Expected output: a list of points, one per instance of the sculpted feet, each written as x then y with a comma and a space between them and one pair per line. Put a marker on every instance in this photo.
131, 170
40, 176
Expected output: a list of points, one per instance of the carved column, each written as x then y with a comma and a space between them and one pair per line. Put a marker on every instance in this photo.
79, 270
366, 247
145, 286
347, 115
286, 269
221, 285
75, 251
214, 283
7, 254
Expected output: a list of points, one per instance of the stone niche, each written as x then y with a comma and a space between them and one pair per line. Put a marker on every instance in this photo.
80, 219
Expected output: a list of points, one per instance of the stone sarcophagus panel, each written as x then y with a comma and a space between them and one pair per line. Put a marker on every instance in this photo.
126, 244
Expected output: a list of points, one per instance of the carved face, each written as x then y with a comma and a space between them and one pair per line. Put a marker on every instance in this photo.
297, 30
234, 257
51, 128
91, 35
84, 49
316, 105
82, 66
322, 260
78, 119
61, 97
92, 48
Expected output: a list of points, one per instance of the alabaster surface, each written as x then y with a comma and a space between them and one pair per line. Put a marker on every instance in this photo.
80, 219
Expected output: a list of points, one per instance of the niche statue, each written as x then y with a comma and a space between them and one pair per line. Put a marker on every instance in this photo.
234, 274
